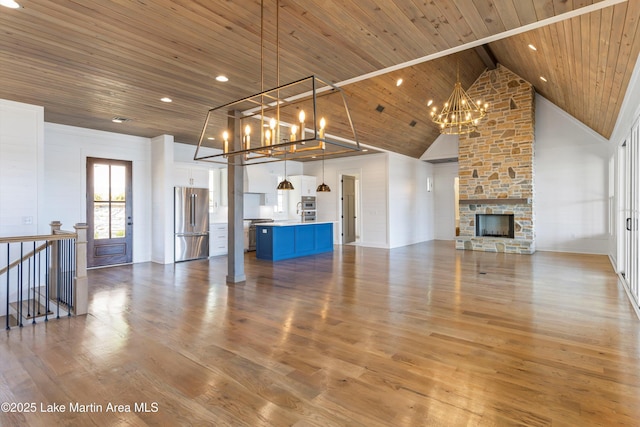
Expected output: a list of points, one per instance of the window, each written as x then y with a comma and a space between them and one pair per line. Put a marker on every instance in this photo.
281, 199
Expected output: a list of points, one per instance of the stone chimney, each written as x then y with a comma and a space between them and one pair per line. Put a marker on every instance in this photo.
496, 166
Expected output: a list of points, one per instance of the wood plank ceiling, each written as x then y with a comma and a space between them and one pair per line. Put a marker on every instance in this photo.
87, 61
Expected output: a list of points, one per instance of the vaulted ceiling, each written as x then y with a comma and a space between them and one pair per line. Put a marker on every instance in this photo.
87, 61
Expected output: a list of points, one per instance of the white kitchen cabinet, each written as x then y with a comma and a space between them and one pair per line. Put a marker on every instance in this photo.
305, 185
186, 175
270, 195
224, 191
218, 242
218, 188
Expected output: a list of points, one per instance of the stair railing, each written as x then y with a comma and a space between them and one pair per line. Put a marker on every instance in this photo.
44, 275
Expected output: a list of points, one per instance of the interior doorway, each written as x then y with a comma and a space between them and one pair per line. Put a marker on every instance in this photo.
456, 204
109, 212
348, 209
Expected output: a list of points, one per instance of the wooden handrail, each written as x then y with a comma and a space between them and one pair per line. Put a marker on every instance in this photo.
20, 239
25, 256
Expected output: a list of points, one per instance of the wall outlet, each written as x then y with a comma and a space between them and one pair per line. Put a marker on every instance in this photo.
27, 220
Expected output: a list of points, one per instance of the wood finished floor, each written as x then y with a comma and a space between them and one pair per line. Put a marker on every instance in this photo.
420, 335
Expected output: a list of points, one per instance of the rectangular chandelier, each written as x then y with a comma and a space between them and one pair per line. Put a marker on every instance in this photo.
301, 120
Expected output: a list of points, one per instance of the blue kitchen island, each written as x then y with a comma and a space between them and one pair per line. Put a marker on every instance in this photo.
284, 240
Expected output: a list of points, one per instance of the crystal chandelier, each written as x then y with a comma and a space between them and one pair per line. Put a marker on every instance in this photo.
294, 121
460, 115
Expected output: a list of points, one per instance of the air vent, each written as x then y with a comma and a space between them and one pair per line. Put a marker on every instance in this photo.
379, 108
413, 123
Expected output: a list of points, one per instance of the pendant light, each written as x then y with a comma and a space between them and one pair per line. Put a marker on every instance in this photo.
285, 184
323, 188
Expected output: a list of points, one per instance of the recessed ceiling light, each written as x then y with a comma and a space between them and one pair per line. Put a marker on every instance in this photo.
398, 82
120, 119
532, 47
222, 78
364, 150
11, 4
429, 103
211, 138
543, 79
166, 99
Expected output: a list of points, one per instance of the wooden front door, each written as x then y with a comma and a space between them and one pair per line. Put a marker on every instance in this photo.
109, 212
348, 209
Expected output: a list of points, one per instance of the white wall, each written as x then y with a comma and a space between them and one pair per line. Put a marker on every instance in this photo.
65, 151
571, 183
371, 171
411, 211
444, 147
444, 200
21, 171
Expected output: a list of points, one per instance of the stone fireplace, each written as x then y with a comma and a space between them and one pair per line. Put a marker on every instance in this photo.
496, 165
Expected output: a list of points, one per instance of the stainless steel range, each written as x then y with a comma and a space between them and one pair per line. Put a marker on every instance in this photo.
252, 231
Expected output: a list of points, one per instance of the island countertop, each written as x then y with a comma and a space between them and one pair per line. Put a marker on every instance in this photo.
290, 223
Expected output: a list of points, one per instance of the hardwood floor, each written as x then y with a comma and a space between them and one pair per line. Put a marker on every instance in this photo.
420, 335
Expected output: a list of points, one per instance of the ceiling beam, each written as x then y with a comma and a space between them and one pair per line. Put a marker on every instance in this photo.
484, 52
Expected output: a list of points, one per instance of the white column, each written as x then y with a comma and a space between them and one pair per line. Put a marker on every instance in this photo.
162, 199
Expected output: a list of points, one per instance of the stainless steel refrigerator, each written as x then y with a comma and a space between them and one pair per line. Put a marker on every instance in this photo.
191, 223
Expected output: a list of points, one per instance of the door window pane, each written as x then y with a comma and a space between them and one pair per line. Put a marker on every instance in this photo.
117, 220
118, 183
101, 220
100, 182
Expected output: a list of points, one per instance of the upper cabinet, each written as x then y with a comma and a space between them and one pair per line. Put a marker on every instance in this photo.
304, 185
186, 175
219, 190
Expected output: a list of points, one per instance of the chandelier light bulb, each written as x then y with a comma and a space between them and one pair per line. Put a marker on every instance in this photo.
247, 138
301, 118
225, 137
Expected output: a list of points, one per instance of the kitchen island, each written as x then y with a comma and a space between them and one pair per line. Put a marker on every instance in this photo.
291, 239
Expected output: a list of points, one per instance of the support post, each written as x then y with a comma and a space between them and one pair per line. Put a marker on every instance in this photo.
53, 264
235, 186
81, 286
